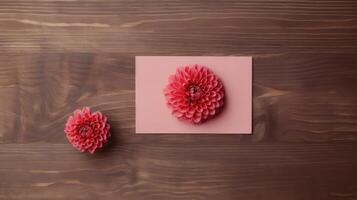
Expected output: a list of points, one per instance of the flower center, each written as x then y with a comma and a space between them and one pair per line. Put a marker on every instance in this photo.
85, 130
194, 93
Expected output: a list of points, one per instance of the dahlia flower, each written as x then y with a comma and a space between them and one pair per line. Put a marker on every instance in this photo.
87, 131
194, 94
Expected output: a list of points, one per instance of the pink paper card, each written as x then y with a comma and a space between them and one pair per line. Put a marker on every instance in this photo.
153, 114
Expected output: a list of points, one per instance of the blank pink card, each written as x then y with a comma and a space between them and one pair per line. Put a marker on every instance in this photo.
153, 115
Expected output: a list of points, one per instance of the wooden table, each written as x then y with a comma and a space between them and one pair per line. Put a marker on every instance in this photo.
58, 55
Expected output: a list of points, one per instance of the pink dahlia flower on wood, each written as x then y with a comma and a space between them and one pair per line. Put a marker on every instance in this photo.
194, 94
87, 131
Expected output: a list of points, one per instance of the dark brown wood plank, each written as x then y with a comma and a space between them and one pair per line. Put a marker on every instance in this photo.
297, 97
254, 171
179, 27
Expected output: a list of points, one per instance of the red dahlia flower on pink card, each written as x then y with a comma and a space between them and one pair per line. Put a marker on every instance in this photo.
194, 93
155, 105
87, 131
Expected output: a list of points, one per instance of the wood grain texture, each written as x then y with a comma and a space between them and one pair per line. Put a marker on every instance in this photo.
58, 55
